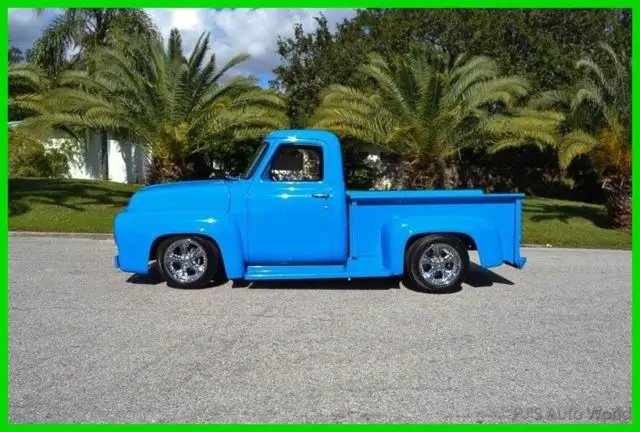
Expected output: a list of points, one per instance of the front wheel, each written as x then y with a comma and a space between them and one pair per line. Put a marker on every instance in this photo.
187, 261
437, 263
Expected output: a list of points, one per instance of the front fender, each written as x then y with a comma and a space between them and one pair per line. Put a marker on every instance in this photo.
135, 233
396, 234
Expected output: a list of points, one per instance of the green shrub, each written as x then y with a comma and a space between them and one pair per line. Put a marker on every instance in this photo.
28, 157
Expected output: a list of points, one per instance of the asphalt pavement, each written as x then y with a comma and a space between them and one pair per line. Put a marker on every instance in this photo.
87, 343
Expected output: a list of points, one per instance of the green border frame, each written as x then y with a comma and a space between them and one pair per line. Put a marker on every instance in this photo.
4, 300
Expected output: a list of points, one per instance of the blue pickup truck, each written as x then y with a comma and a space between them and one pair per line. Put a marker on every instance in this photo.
289, 216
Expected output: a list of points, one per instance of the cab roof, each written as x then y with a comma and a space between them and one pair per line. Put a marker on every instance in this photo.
295, 135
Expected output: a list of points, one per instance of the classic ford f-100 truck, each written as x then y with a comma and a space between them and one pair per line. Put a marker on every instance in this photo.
288, 216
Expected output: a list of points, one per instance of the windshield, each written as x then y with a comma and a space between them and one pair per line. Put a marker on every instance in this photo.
257, 157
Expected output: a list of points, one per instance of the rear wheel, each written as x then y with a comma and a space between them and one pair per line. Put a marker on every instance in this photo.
437, 263
187, 261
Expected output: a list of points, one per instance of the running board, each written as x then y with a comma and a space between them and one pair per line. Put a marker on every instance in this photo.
353, 269
296, 272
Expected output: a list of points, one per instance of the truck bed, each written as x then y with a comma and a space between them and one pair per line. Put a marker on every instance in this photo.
490, 222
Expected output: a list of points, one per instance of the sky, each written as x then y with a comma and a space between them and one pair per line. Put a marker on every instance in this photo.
233, 31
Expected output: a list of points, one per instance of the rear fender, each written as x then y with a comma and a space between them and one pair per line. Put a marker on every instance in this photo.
136, 233
396, 235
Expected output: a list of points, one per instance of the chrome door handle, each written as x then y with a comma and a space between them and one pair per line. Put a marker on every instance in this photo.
321, 195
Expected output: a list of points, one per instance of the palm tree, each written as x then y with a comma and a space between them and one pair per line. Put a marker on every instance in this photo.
73, 36
176, 106
592, 119
426, 106
602, 104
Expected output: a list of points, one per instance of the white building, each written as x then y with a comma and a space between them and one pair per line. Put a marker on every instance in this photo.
128, 162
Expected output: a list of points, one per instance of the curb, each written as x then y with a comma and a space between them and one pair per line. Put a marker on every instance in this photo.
92, 236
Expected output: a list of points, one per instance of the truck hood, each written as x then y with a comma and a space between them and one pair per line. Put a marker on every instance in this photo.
182, 196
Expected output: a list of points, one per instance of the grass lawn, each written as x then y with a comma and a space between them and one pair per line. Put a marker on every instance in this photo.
89, 206
65, 205
569, 224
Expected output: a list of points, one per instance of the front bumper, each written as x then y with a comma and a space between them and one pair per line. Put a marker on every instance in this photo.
116, 261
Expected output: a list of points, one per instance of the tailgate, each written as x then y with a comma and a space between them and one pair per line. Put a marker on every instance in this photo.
517, 260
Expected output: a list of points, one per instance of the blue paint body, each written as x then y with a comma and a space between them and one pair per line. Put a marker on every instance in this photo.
279, 230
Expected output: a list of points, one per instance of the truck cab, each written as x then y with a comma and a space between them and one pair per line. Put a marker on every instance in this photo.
289, 216
298, 192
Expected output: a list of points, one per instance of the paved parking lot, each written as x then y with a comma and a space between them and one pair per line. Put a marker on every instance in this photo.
548, 343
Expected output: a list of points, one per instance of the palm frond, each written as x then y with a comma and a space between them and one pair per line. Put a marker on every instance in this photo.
175, 45
589, 92
592, 67
49, 51
28, 76
235, 61
575, 144
550, 99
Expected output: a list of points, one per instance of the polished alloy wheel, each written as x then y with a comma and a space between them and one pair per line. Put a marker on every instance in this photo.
440, 264
185, 260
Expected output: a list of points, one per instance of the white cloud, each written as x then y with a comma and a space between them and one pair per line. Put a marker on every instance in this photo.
26, 24
252, 31
233, 31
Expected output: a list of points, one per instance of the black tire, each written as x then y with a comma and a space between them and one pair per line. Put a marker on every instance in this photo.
413, 272
211, 268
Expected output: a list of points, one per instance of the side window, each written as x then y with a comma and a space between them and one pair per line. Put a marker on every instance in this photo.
296, 163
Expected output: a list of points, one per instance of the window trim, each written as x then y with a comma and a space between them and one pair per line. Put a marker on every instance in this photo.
251, 170
267, 170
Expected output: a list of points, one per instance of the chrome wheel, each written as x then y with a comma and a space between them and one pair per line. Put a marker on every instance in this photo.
440, 264
185, 260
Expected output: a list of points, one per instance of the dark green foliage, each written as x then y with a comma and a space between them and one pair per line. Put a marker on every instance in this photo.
358, 174
541, 44
313, 61
28, 157
227, 158
531, 171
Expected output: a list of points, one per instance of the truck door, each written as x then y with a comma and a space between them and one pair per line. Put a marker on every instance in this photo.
296, 214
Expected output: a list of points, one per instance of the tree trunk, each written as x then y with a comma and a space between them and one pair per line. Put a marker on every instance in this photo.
414, 177
446, 173
451, 174
618, 201
104, 155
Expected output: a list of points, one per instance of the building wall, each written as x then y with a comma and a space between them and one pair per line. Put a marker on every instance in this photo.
128, 161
